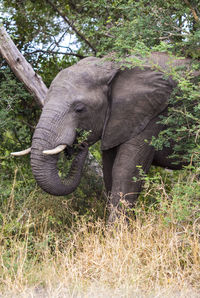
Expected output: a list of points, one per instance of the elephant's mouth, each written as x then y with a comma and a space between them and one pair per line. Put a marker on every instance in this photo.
71, 150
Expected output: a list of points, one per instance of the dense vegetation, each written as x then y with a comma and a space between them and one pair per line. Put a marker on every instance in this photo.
38, 229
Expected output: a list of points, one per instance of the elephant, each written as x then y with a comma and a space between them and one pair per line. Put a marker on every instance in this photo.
121, 106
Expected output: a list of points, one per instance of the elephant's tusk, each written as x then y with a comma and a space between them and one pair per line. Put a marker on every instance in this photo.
20, 153
56, 150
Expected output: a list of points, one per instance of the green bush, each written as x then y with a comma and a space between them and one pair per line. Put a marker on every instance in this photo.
172, 195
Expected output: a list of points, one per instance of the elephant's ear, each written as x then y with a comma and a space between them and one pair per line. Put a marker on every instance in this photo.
137, 96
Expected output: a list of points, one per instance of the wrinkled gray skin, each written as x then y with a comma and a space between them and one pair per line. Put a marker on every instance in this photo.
120, 107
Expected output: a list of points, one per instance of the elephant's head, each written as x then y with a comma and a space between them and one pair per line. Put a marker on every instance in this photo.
77, 100
93, 95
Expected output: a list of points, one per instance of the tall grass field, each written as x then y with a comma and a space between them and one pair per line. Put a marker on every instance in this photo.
54, 247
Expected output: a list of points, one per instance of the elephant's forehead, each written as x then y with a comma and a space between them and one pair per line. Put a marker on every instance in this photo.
73, 92
76, 76
68, 91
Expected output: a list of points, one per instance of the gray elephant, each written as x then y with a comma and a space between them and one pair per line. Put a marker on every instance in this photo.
120, 107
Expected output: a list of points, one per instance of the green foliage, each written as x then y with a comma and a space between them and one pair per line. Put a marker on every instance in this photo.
82, 135
18, 116
183, 120
20, 198
172, 195
118, 25
109, 25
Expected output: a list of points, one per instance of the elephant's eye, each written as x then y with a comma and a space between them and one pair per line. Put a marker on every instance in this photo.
79, 108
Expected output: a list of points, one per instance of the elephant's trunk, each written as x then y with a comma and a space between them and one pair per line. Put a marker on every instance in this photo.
45, 170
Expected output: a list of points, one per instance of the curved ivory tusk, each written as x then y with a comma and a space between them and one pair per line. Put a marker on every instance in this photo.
56, 150
20, 153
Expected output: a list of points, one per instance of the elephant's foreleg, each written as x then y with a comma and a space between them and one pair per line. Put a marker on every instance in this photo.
108, 157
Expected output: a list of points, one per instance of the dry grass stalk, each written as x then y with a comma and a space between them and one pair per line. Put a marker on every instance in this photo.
142, 257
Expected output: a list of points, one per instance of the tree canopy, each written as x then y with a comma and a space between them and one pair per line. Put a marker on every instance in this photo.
54, 34
99, 27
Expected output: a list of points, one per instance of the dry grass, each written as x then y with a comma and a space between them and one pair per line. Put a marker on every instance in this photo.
149, 257
142, 259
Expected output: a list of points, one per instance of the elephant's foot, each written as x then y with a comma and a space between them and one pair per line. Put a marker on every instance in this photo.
114, 215
119, 209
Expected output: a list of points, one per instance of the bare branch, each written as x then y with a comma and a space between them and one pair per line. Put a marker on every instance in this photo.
56, 43
72, 26
57, 52
170, 35
21, 68
193, 11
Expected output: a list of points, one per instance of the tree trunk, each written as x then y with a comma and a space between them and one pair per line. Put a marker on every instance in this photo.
21, 68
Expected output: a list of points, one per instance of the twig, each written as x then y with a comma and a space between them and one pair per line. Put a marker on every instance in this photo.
72, 26
56, 52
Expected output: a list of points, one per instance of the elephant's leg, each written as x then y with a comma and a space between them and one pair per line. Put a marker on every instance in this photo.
161, 159
108, 157
131, 154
